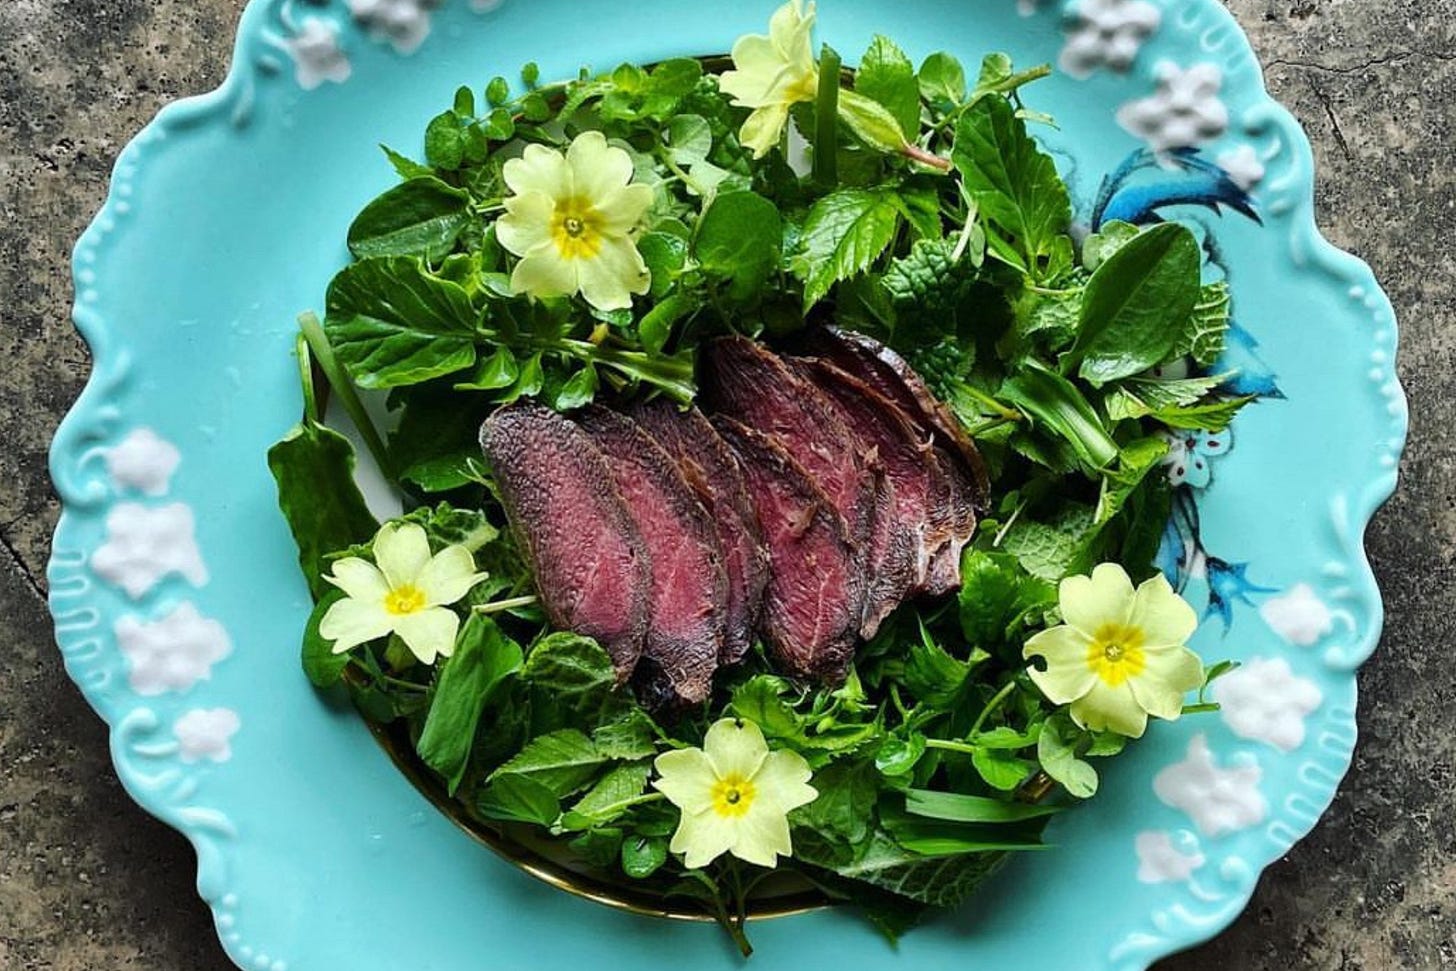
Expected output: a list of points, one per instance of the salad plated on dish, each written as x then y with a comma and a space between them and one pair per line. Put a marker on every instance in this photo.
784, 474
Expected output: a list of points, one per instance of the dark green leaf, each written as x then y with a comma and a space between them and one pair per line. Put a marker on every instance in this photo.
600, 848
642, 856
313, 467
631, 737
1016, 187
932, 675
937, 881
761, 700
899, 756
392, 323
614, 794
572, 682
436, 445
445, 142
887, 76
1100, 246
484, 657
1138, 304
1059, 407
578, 390
664, 255
738, 240
843, 234
323, 667
563, 761
1137, 460
500, 370
519, 799
996, 594
843, 810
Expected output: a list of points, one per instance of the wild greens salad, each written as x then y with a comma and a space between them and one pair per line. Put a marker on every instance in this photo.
583, 242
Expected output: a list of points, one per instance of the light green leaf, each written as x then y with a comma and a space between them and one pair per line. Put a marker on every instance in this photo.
943, 79
996, 595
957, 808
887, 76
1100, 246
572, 682
392, 323
871, 122
1000, 769
616, 792
500, 370
422, 217
484, 657
1204, 336
563, 761
1059, 406
1138, 304
689, 139
519, 799
739, 239
1054, 549
844, 233
631, 737
1137, 460
642, 856
1056, 750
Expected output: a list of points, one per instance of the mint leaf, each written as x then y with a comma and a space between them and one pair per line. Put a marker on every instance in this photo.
1204, 335
887, 76
313, 467
484, 657
997, 594
392, 323
571, 680
844, 233
562, 761
1138, 304
613, 795
422, 217
1057, 548
738, 240
1016, 186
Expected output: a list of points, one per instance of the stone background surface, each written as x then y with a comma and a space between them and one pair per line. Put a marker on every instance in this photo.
87, 881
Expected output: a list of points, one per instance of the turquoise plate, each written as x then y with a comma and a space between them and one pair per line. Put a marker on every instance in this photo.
178, 604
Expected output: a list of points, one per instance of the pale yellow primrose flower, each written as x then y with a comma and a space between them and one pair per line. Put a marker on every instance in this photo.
772, 74
406, 594
571, 221
735, 795
1120, 656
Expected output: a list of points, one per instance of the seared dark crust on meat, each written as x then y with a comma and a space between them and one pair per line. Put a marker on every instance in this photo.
713, 471
814, 599
592, 570
687, 606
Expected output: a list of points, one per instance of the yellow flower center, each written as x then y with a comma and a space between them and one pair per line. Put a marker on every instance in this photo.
576, 229
407, 599
732, 795
1116, 653
806, 88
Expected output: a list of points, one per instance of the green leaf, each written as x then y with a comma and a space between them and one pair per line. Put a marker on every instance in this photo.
1138, 303
578, 390
407, 167
996, 596
871, 122
642, 856
313, 467
929, 280
1207, 329
1057, 548
631, 737
932, 674
614, 794
1100, 246
572, 682
689, 139
1056, 750
887, 76
845, 805
518, 799
943, 79
601, 848
958, 808
391, 323
563, 761
500, 370
1138, 459
445, 142
484, 657
738, 240
760, 700
937, 881
422, 217
899, 756
843, 234
497, 92
1000, 769
436, 445
1016, 187
323, 667
1059, 407
665, 256
939, 838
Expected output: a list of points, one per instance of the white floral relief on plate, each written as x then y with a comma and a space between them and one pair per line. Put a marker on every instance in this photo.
1299, 616
206, 733
143, 462
1165, 857
172, 653
403, 23
1266, 701
1244, 166
1107, 33
317, 55
1218, 800
1185, 112
143, 545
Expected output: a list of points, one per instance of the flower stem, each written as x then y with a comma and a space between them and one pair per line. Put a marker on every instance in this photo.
925, 157
826, 120
497, 606
996, 701
318, 343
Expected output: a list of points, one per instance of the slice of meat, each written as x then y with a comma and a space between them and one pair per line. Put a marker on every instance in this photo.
711, 468
592, 571
914, 522
749, 383
687, 606
968, 494
815, 592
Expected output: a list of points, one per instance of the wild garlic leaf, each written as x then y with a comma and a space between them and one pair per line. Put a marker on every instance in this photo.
313, 467
393, 323
843, 234
422, 217
1060, 407
484, 657
1016, 186
958, 808
1138, 304
887, 76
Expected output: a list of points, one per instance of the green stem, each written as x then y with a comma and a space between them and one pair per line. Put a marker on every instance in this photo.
497, 606
305, 376
826, 120
997, 700
318, 343
947, 745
